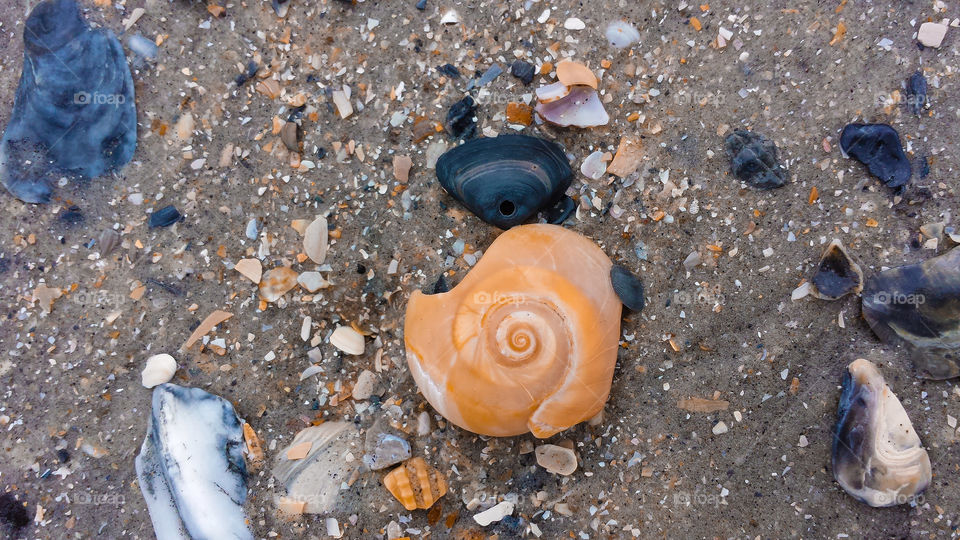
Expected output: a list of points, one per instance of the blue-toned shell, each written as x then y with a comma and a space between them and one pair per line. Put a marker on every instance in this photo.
505, 180
74, 111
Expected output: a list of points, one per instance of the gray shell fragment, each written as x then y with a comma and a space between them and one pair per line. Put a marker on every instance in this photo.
334, 456
918, 306
74, 111
191, 469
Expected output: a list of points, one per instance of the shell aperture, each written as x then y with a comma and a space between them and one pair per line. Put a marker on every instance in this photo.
526, 342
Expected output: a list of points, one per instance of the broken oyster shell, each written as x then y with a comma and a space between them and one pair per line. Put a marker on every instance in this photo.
837, 274
191, 469
918, 305
753, 159
877, 455
74, 111
505, 180
526, 342
314, 480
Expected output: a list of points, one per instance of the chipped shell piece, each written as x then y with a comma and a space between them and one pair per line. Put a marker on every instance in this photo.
250, 269
526, 342
627, 159
276, 282
315, 240
837, 274
877, 455
416, 484
593, 166
312, 281
158, 370
918, 306
552, 92
580, 108
573, 73
347, 340
556, 459
621, 34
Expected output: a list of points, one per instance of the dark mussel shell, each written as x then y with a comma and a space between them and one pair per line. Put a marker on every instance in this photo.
164, 217
837, 274
918, 306
628, 287
74, 110
877, 456
753, 159
878, 147
505, 180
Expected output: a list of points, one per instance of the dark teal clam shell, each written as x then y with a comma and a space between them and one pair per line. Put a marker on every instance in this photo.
505, 180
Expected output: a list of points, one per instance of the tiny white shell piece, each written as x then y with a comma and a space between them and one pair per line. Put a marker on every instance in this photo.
450, 17
312, 281
621, 34
574, 23
159, 369
315, 240
347, 340
593, 166
552, 92
556, 459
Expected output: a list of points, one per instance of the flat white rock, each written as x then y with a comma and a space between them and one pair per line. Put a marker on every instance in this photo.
931, 34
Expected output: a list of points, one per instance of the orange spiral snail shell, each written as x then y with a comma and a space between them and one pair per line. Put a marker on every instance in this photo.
526, 342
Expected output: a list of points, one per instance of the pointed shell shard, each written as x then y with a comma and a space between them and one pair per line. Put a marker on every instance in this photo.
505, 180
191, 466
837, 274
526, 342
877, 456
74, 111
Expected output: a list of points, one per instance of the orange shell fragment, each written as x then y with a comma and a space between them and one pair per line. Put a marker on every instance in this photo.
573, 73
416, 484
526, 342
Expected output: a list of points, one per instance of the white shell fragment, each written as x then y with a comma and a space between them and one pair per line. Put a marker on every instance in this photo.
250, 269
931, 34
450, 17
315, 240
580, 108
552, 92
574, 23
315, 479
312, 281
191, 468
494, 513
556, 459
347, 340
621, 34
593, 166
158, 370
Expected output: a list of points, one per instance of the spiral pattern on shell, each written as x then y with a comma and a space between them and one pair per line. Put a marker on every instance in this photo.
528, 340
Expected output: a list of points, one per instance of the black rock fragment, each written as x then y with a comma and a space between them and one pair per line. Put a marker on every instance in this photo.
12, 511
628, 287
164, 217
449, 70
917, 93
252, 69
523, 71
422, 5
753, 159
878, 147
460, 122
